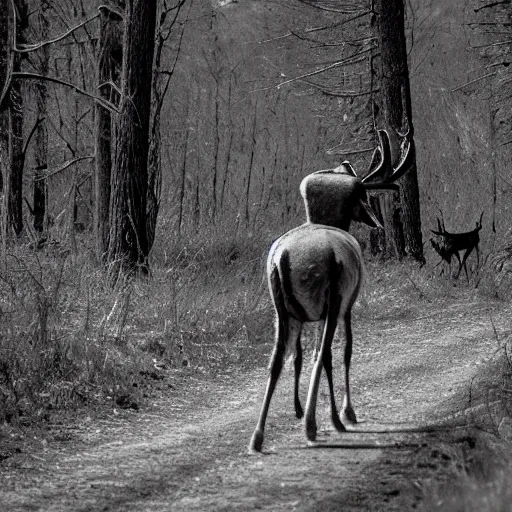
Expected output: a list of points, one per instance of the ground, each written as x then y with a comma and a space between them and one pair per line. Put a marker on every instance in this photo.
188, 449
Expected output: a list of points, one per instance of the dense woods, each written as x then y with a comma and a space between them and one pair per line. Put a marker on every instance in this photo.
213, 116
150, 152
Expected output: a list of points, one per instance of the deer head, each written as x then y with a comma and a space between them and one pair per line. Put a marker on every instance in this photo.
335, 197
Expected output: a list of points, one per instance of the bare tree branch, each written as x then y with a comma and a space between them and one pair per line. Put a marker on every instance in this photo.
350, 42
315, 5
340, 94
315, 29
25, 48
36, 76
492, 4
346, 152
352, 59
111, 84
489, 45
31, 134
10, 57
347, 60
473, 81
112, 10
63, 167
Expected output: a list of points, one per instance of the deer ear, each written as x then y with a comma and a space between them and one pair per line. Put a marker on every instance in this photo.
367, 215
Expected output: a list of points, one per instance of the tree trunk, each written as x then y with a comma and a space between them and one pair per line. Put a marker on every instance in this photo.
154, 161
41, 135
5, 56
6, 62
6, 51
128, 243
396, 117
17, 160
17, 157
109, 70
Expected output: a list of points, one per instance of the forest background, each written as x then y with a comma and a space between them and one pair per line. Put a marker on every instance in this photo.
257, 95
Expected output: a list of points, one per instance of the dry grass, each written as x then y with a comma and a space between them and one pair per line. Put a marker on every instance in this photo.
70, 337
481, 480
481, 471
53, 350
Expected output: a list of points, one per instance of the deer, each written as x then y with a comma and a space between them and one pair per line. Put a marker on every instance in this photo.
451, 244
315, 272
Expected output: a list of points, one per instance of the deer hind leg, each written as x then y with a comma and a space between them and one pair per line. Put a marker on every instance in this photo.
324, 358
347, 414
327, 362
277, 358
294, 334
276, 365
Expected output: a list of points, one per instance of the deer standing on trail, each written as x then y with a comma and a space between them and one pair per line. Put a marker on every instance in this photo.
452, 243
315, 272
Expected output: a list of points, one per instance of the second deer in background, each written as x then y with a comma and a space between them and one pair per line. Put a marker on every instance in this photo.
450, 244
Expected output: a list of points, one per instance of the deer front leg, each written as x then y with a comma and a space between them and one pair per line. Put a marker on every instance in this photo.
464, 258
460, 265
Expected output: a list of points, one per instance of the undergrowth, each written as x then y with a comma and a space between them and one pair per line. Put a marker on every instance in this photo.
71, 337
480, 478
481, 475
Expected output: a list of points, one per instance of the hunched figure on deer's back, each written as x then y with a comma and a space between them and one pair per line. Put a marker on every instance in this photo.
315, 272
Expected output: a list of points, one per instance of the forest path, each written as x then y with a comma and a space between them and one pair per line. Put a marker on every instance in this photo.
190, 452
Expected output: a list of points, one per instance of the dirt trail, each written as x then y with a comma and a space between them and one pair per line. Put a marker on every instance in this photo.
190, 453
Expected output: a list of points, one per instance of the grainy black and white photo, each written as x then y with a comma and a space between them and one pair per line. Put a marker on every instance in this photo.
255, 255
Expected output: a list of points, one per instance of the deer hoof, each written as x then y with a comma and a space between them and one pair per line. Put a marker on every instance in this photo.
298, 410
311, 430
338, 425
348, 416
256, 441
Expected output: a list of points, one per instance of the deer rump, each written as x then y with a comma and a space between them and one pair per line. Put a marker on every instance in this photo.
304, 263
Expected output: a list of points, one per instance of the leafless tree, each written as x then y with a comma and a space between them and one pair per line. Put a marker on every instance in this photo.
395, 113
16, 118
5, 77
128, 242
170, 21
109, 70
41, 136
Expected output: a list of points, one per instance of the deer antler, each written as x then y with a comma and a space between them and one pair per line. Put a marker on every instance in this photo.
479, 223
384, 176
440, 226
382, 157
